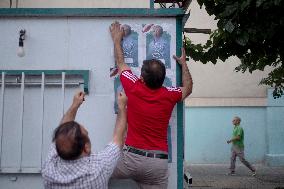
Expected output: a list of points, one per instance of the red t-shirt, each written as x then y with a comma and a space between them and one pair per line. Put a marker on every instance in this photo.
148, 112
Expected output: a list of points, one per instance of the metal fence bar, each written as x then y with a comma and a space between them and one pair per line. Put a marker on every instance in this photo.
63, 91
2, 115
42, 116
22, 82
22, 117
8, 83
83, 73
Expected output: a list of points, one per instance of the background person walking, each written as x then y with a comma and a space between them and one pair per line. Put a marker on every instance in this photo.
238, 147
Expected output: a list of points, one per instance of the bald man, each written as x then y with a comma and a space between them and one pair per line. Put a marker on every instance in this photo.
238, 147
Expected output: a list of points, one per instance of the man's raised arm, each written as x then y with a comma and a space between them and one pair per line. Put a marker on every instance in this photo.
117, 35
72, 111
121, 121
186, 76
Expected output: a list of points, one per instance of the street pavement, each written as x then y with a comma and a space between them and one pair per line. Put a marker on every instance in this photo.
214, 176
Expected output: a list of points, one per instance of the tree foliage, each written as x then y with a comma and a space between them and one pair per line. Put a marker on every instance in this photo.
249, 29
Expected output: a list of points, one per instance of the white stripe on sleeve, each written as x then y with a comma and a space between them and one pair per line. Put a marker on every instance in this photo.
129, 76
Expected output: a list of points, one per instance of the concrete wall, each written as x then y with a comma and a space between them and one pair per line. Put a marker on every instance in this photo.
56, 44
208, 129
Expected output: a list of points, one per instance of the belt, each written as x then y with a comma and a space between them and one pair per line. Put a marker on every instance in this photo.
147, 154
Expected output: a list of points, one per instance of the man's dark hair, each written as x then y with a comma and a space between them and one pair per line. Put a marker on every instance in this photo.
153, 72
69, 140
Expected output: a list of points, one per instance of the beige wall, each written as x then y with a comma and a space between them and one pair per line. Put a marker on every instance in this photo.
77, 3
219, 83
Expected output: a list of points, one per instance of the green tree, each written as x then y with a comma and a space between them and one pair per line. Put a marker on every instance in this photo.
252, 30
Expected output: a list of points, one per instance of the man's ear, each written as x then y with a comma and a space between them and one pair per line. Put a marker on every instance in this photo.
87, 148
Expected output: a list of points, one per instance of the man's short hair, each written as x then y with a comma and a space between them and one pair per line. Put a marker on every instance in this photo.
238, 118
153, 72
69, 140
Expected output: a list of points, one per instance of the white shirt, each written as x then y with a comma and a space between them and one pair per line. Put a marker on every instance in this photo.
92, 171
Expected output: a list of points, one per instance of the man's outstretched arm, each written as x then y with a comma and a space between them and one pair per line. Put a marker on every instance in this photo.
68, 116
72, 111
117, 35
186, 76
121, 121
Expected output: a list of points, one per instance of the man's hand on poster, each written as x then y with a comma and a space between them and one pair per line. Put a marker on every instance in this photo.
182, 59
116, 31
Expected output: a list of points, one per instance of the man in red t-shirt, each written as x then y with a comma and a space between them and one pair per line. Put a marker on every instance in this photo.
149, 108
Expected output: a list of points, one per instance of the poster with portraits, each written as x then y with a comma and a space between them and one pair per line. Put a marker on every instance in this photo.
130, 46
143, 42
158, 45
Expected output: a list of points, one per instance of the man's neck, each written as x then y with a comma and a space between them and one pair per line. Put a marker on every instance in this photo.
84, 154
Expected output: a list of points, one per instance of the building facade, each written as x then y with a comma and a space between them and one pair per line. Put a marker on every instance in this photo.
219, 94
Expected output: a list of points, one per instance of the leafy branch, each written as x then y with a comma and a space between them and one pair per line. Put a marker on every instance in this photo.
252, 30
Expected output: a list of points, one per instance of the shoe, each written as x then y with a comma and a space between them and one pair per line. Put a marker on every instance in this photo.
253, 173
232, 173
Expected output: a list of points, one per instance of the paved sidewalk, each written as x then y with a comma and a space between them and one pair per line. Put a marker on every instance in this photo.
214, 176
